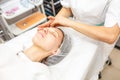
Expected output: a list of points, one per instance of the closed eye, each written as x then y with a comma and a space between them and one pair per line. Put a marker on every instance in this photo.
53, 32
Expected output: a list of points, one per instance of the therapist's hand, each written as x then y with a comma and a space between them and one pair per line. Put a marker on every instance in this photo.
47, 24
59, 21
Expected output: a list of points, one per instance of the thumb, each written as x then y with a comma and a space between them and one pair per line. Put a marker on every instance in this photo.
51, 17
44, 25
52, 24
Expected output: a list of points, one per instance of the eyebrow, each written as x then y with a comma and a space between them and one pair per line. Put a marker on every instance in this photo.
55, 31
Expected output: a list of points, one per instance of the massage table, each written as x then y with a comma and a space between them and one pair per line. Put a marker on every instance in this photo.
82, 63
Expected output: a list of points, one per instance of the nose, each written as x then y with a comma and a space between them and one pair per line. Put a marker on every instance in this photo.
45, 30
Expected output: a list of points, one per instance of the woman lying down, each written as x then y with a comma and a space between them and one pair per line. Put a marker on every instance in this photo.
49, 47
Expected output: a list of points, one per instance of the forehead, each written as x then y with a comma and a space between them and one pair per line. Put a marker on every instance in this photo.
59, 31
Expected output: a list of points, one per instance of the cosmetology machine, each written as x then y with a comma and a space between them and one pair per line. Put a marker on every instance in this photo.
18, 18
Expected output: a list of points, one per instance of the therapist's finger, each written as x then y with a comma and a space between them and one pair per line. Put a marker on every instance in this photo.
47, 24
51, 18
54, 24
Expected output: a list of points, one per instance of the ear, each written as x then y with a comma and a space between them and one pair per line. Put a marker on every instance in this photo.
56, 52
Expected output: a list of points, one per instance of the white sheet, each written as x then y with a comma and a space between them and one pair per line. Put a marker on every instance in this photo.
75, 66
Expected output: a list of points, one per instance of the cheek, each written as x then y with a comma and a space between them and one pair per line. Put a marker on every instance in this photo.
37, 40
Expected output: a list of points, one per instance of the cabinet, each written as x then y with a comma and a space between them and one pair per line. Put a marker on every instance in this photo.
18, 16
118, 43
52, 7
3, 35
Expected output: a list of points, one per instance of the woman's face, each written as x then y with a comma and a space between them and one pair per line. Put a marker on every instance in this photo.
48, 38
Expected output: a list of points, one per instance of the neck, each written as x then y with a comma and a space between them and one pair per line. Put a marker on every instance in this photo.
36, 54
